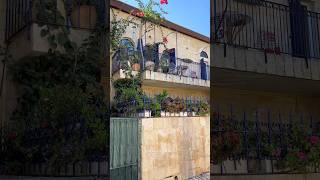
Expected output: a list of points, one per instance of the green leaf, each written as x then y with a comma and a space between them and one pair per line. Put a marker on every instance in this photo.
44, 32
62, 38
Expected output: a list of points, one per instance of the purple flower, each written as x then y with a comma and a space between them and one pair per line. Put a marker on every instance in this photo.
314, 140
302, 156
276, 152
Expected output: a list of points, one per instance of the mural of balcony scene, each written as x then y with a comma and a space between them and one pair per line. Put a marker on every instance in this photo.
28, 22
263, 142
160, 67
267, 37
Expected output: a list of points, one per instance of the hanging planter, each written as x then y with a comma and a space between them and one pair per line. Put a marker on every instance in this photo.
84, 14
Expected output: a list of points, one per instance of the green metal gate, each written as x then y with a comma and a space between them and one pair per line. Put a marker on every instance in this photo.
124, 148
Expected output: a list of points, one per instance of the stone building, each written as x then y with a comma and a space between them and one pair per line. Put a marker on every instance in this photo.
171, 147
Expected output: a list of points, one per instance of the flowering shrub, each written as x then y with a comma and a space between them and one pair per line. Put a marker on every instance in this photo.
225, 141
303, 151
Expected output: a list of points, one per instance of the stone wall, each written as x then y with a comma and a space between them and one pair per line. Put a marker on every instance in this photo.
254, 61
275, 102
175, 146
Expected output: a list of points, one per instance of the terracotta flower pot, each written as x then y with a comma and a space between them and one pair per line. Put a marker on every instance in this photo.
84, 16
135, 67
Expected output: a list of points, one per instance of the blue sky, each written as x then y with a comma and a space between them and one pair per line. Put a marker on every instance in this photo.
192, 14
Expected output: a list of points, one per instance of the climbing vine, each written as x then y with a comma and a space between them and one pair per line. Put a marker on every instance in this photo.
61, 114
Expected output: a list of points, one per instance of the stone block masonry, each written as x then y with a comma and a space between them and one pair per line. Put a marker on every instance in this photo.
175, 147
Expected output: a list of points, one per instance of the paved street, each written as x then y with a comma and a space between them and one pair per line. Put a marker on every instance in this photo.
205, 176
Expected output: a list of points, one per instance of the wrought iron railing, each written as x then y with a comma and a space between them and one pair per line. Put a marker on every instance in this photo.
258, 141
182, 67
42, 140
149, 107
69, 13
267, 26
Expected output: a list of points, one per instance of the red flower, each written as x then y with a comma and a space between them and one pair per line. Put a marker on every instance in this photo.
44, 124
314, 140
165, 40
138, 13
302, 156
163, 1
12, 136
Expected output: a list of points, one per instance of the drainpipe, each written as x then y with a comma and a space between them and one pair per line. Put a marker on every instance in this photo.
176, 49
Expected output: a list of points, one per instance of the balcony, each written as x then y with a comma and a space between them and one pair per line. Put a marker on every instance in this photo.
159, 72
26, 21
259, 141
266, 38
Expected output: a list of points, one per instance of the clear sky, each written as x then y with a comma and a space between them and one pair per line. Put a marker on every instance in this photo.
192, 14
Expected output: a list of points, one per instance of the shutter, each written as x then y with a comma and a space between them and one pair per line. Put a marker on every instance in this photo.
203, 69
299, 29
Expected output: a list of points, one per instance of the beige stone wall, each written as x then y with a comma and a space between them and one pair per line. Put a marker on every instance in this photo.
176, 91
275, 102
175, 146
268, 177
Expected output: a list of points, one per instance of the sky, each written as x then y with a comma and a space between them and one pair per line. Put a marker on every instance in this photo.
191, 14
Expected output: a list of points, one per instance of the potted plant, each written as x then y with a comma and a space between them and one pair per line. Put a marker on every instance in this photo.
149, 64
84, 14
203, 108
179, 106
192, 109
134, 60
168, 106
160, 98
164, 62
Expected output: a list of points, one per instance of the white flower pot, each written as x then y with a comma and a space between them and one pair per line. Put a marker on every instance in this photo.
176, 114
144, 114
191, 114
163, 114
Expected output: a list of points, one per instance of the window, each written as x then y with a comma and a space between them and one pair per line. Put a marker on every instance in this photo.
127, 44
203, 54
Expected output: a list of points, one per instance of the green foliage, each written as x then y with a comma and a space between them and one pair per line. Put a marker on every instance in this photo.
226, 143
62, 100
118, 27
153, 12
128, 91
53, 26
303, 150
203, 108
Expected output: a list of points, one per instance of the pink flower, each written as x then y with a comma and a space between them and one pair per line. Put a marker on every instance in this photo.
314, 140
165, 40
276, 152
163, 1
302, 156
